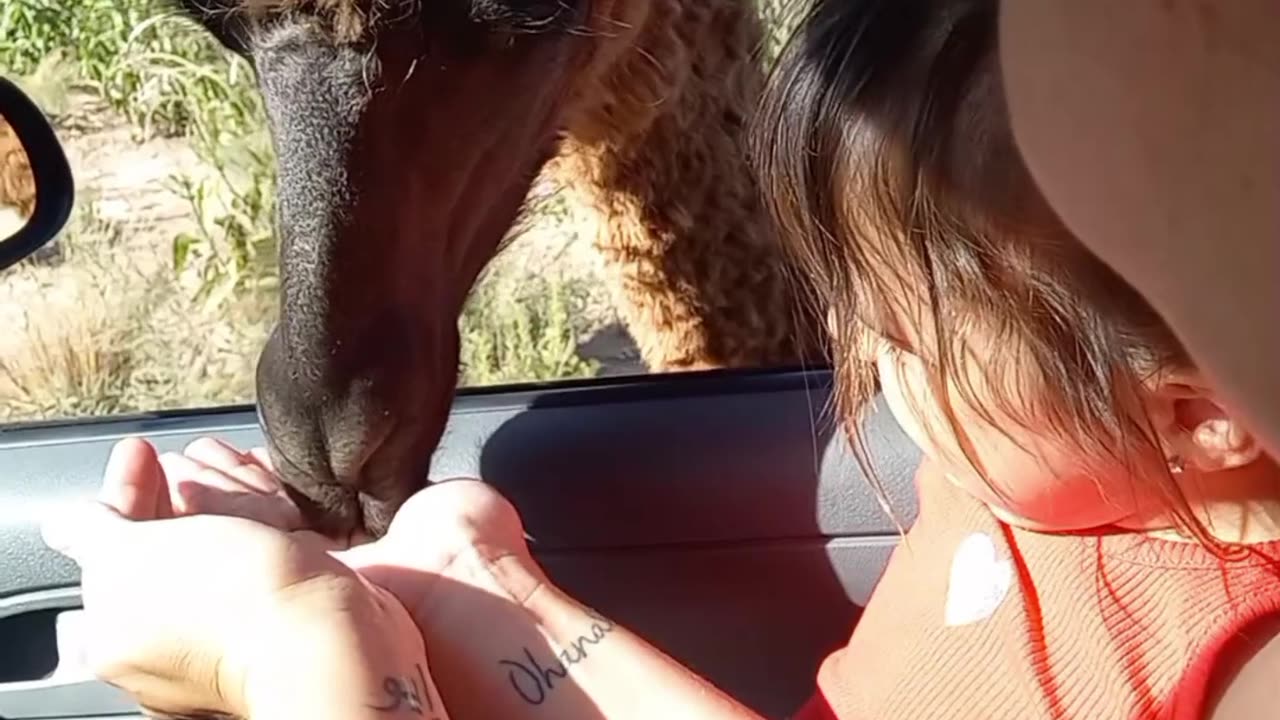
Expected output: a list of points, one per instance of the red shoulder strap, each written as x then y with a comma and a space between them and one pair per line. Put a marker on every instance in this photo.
1217, 665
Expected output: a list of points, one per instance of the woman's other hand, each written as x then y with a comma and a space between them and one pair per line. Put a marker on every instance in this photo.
237, 611
457, 559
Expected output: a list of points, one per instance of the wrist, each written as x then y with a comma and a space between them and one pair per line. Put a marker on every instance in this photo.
366, 660
550, 613
516, 576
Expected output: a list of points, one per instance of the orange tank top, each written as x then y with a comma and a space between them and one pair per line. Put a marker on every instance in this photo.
977, 619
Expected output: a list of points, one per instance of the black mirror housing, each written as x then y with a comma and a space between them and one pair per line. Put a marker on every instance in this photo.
47, 175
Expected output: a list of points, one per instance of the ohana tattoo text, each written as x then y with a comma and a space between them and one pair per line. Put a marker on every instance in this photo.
533, 682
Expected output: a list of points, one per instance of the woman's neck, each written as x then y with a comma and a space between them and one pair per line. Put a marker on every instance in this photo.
1239, 506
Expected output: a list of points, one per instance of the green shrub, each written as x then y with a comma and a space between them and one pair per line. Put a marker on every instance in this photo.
522, 329
157, 67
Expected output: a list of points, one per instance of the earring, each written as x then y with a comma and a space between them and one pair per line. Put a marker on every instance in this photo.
1176, 465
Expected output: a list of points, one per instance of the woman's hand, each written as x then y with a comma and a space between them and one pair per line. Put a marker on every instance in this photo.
240, 613
450, 539
452, 535
456, 558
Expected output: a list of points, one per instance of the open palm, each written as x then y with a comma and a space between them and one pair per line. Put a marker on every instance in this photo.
195, 566
445, 539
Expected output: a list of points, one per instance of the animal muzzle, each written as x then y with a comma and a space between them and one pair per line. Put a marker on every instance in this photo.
349, 452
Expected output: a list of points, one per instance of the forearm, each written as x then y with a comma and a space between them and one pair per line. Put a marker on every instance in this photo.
516, 647
381, 689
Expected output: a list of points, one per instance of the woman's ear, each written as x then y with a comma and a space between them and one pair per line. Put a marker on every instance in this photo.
1197, 430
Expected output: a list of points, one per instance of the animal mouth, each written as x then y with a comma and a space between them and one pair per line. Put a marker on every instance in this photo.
339, 511
330, 508
353, 496
361, 508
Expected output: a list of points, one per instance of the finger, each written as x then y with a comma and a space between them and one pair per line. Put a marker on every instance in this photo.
214, 452
133, 483
199, 489
245, 467
264, 459
183, 473
274, 511
182, 470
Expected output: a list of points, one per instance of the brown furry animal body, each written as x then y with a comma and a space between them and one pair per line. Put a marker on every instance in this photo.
656, 150
17, 184
654, 147
409, 134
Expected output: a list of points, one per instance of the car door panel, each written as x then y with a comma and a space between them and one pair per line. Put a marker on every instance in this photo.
719, 515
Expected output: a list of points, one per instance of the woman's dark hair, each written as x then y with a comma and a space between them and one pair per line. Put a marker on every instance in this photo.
887, 161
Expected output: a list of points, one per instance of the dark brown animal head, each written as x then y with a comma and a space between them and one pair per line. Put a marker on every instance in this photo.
407, 134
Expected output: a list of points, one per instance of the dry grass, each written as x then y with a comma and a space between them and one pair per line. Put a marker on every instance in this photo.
99, 336
171, 309
81, 367
107, 331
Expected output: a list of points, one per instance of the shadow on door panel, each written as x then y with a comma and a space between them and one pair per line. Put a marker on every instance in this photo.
737, 533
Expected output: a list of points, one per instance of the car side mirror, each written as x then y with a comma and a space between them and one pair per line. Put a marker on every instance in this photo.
36, 187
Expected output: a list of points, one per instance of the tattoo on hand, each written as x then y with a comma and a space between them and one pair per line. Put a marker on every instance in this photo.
404, 693
533, 682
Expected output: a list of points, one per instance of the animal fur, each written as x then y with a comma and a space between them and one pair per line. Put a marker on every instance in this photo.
17, 184
654, 149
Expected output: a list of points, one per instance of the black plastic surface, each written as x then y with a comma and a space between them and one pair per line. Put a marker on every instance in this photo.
722, 517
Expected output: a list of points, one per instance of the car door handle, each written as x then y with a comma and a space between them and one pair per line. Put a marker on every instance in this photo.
70, 691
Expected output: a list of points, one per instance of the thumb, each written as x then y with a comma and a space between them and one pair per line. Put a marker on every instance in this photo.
84, 528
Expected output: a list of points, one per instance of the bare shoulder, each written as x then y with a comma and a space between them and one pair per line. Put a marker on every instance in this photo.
1246, 684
